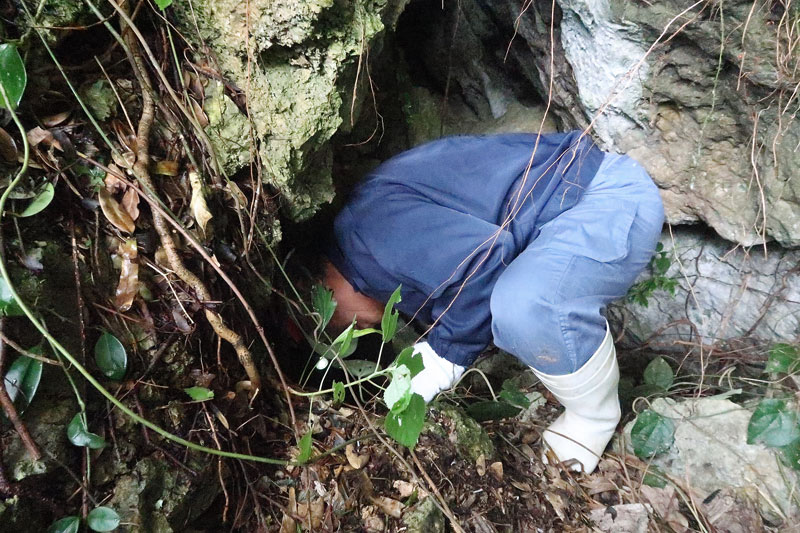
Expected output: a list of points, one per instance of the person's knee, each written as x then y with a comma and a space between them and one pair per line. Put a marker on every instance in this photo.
521, 317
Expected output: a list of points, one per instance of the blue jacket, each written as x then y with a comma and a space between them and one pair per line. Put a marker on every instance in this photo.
445, 218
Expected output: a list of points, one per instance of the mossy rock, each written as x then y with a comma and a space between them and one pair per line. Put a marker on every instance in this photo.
471, 439
424, 517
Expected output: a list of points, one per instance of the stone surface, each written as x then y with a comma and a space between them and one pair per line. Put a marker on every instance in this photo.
626, 518
424, 517
710, 452
726, 292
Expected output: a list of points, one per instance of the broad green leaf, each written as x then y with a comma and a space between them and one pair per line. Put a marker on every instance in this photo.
79, 435
323, 303
390, 316
774, 423
69, 524
199, 394
110, 356
783, 358
344, 341
513, 395
12, 75
398, 394
359, 368
411, 360
8, 304
491, 410
659, 373
102, 519
40, 201
163, 4
406, 426
338, 392
22, 380
654, 478
305, 448
790, 454
652, 434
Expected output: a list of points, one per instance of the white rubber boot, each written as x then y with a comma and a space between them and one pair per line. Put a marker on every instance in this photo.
591, 408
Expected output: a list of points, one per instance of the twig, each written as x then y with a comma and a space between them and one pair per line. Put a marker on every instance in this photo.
27, 353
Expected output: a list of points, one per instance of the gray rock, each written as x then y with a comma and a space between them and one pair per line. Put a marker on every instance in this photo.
424, 517
626, 518
710, 452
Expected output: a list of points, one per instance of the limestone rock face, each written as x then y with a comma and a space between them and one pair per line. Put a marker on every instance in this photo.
290, 59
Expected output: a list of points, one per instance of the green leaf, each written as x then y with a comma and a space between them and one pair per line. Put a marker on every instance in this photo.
652, 434
110, 356
344, 341
659, 373
323, 303
783, 358
338, 392
69, 524
491, 410
199, 394
8, 304
359, 368
405, 427
12, 75
22, 380
305, 448
411, 360
40, 201
390, 316
102, 519
398, 394
790, 454
79, 435
774, 423
513, 395
654, 478
163, 4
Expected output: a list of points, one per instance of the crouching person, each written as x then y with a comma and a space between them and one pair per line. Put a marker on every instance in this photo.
517, 239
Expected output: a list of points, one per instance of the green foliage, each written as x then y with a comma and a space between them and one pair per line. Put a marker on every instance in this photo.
79, 435
774, 423
338, 393
513, 396
199, 394
305, 448
111, 357
69, 524
410, 359
324, 305
8, 305
359, 368
343, 344
659, 265
659, 374
492, 410
390, 316
102, 519
790, 454
398, 394
22, 380
40, 201
652, 434
783, 358
13, 77
163, 4
100, 99
405, 426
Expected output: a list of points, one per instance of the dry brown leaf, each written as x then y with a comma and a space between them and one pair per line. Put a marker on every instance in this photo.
519, 485
165, 168
730, 511
124, 135
8, 148
125, 159
55, 120
481, 524
201, 116
288, 524
128, 285
236, 194
480, 465
115, 213
389, 506
130, 202
496, 470
310, 514
39, 135
356, 460
404, 488
198, 203
597, 484
665, 503
557, 502
113, 183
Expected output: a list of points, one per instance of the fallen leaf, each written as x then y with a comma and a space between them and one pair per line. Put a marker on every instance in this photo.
39, 135
115, 213
180, 321
124, 160
124, 135
198, 203
128, 285
404, 488
733, 512
130, 202
389, 506
113, 183
356, 461
56, 119
665, 503
288, 524
8, 148
557, 502
201, 116
496, 470
480, 465
310, 514
519, 485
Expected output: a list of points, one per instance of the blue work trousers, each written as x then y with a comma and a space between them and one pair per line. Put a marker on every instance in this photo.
548, 305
